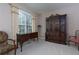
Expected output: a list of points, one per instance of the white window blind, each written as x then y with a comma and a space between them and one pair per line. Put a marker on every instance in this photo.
25, 22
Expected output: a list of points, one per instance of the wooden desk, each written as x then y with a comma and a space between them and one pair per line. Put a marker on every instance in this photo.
21, 38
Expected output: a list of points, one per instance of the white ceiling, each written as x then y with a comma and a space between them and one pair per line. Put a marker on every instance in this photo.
45, 7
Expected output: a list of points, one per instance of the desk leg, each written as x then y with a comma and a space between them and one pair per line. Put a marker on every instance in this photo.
17, 43
21, 46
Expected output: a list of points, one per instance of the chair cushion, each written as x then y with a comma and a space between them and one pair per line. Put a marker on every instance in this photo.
3, 47
9, 46
6, 48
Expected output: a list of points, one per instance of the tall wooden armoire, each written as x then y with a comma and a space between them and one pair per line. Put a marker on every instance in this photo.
56, 29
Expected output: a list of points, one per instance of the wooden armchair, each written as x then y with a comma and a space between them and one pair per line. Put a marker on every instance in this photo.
5, 46
74, 39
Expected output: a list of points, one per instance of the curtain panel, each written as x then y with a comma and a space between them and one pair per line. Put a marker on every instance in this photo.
14, 20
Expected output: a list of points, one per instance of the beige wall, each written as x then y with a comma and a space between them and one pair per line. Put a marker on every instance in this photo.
72, 19
5, 19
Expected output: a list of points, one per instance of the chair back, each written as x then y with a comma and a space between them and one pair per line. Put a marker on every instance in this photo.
3, 41
3, 36
77, 34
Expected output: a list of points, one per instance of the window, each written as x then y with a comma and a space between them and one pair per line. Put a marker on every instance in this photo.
25, 22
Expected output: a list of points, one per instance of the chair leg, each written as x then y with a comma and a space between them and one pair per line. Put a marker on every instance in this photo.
78, 47
21, 46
